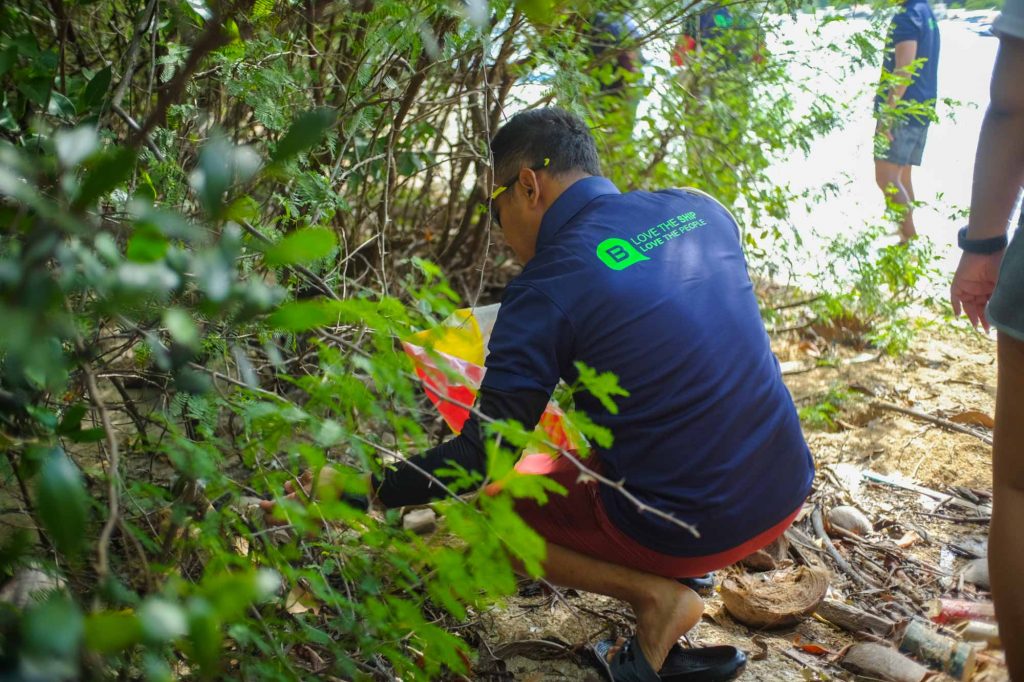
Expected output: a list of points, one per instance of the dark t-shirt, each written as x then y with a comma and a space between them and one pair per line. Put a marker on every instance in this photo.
915, 21
620, 34
653, 287
712, 23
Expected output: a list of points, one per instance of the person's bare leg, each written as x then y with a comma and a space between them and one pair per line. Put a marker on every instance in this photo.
907, 229
887, 177
665, 610
1006, 545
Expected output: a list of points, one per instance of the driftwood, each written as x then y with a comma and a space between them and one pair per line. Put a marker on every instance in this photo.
854, 620
938, 421
883, 662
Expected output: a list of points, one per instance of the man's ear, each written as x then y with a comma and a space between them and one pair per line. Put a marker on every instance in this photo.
528, 179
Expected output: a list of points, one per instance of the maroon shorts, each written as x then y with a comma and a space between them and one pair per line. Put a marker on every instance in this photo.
578, 521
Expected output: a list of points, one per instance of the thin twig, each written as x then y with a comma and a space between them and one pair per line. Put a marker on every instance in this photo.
134, 125
826, 541
794, 304
113, 475
938, 421
133, 52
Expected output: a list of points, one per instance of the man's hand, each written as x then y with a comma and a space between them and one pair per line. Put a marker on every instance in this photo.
973, 284
326, 484
883, 130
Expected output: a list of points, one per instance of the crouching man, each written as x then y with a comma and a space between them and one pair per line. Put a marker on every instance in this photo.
653, 287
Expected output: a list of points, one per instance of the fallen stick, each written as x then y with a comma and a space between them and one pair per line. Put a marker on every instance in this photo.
958, 519
938, 421
797, 367
942, 498
854, 620
893, 552
806, 661
844, 565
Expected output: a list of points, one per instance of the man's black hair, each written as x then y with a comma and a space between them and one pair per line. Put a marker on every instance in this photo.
531, 136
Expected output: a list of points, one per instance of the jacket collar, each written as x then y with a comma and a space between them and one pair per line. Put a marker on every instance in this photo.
569, 203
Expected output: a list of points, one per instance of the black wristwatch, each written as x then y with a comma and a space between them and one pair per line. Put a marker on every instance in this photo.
980, 246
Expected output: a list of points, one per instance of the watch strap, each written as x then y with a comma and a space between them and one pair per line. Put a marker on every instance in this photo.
980, 246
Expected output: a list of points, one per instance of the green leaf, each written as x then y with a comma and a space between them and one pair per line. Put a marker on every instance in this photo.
111, 169
87, 436
537, 11
297, 316
60, 106
72, 420
162, 620
205, 635
109, 632
62, 502
212, 177
7, 58
602, 386
190, 381
75, 145
96, 89
36, 89
7, 120
303, 246
306, 131
200, 8
146, 245
182, 328
261, 9
243, 209
52, 631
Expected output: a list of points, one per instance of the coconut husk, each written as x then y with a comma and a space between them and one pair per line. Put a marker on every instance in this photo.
776, 598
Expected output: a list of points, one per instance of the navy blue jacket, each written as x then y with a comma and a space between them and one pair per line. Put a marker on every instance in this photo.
653, 287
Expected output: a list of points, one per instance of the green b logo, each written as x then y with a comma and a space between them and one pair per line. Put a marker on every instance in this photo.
618, 254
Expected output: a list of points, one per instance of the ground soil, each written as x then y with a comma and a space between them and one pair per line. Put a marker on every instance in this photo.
945, 373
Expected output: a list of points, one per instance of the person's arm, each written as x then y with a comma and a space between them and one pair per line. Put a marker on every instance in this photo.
999, 163
998, 175
906, 51
406, 484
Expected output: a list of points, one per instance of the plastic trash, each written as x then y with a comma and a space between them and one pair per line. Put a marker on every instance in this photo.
449, 361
